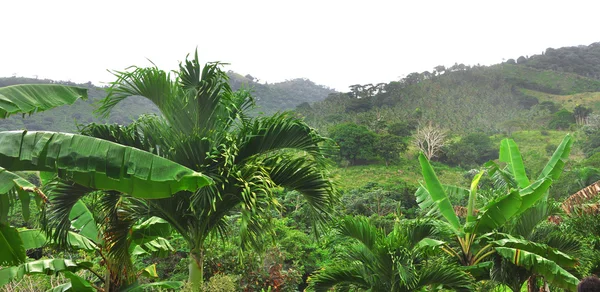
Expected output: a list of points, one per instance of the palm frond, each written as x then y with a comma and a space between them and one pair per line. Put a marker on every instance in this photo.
278, 132
448, 275
361, 229
58, 217
339, 276
297, 174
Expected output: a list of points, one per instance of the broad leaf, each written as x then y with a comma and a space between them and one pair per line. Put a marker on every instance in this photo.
157, 245
532, 193
437, 193
509, 153
551, 272
11, 245
12, 182
149, 272
31, 98
497, 212
473, 198
83, 220
555, 165
173, 285
98, 164
151, 228
49, 266
79, 284
32, 238
547, 252
35, 238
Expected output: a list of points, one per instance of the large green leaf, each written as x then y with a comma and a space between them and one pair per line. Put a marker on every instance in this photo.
98, 164
547, 252
158, 245
83, 220
79, 284
11, 245
36, 238
497, 212
32, 238
151, 228
12, 182
31, 98
49, 266
437, 193
472, 199
173, 285
532, 193
509, 153
555, 165
551, 272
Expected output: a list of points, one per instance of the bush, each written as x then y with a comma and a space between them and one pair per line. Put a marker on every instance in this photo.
356, 142
471, 151
562, 120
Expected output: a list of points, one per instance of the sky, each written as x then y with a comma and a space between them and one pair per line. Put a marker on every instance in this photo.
333, 43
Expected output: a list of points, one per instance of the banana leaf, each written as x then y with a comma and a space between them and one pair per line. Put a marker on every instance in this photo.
31, 98
547, 252
97, 163
552, 272
557, 162
509, 153
173, 285
83, 220
36, 238
438, 195
32, 238
497, 212
48, 267
13, 252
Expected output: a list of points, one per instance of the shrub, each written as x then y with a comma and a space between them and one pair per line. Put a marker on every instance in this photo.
472, 150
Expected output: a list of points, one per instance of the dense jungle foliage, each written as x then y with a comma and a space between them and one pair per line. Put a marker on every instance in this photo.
466, 178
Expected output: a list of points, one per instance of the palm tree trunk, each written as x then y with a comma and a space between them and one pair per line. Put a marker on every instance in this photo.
196, 269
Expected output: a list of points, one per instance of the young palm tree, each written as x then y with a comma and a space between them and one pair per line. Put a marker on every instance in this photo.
205, 126
399, 261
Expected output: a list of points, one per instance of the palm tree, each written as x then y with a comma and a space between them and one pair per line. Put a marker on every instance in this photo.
393, 262
205, 126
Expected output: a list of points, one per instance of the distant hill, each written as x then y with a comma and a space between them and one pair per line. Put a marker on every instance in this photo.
280, 96
270, 98
502, 97
581, 60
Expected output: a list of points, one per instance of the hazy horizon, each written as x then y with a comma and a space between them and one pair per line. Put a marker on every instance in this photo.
335, 44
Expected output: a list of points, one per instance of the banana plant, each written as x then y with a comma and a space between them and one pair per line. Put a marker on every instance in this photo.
478, 238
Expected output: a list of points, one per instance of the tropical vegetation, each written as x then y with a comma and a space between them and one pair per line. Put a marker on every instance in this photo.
390, 187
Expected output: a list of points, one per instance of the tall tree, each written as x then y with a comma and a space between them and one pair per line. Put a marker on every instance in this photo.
205, 126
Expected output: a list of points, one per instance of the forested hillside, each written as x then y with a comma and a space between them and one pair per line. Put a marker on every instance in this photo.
498, 98
582, 60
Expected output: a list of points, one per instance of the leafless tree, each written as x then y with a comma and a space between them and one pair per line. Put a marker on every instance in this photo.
430, 139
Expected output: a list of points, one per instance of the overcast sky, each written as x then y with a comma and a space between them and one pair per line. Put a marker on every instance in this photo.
334, 43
